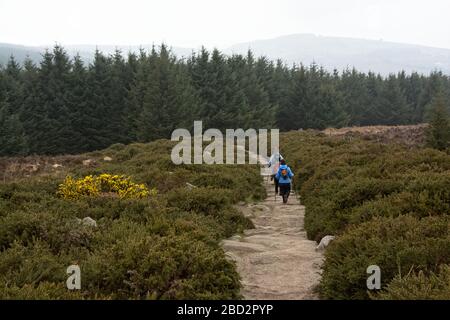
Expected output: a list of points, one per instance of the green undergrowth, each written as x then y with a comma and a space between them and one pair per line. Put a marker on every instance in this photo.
164, 246
388, 205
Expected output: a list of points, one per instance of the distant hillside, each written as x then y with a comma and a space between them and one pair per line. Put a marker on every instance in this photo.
85, 51
330, 52
19, 52
340, 53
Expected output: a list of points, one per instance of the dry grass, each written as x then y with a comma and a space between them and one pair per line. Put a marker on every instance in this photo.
12, 168
411, 135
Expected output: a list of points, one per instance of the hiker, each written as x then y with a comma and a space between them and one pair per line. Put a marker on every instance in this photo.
274, 163
284, 176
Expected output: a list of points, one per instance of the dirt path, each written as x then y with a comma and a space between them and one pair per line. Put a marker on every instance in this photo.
275, 260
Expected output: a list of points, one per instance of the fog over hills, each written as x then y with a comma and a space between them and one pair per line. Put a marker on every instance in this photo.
340, 53
331, 52
19, 52
87, 52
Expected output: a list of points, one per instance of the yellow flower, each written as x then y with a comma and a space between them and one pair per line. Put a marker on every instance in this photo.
92, 186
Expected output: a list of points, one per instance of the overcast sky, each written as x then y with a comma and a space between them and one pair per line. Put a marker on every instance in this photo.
191, 23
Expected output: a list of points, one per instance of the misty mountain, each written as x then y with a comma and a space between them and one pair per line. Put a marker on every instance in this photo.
19, 52
331, 52
86, 52
365, 55
89, 50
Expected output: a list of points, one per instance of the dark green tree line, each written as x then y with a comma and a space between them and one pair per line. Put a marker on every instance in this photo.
64, 105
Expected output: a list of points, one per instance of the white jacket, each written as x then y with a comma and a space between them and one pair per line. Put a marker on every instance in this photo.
274, 162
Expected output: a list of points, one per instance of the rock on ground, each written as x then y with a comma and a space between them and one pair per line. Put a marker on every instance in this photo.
87, 162
88, 221
325, 242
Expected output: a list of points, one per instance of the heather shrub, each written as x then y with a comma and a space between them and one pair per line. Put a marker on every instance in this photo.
418, 286
136, 264
206, 200
59, 233
41, 291
395, 245
165, 246
387, 204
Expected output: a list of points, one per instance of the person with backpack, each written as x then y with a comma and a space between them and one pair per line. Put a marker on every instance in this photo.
274, 164
284, 176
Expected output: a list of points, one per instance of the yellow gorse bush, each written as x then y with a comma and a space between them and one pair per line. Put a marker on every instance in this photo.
94, 186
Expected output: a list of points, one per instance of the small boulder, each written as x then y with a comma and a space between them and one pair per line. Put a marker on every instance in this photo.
325, 242
190, 186
56, 166
88, 221
108, 159
32, 167
87, 162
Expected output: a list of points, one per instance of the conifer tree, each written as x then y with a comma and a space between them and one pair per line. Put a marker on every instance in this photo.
135, 97
98, 81
293, 114
168, 99
77, 102
438, 133
393, 108
13, 141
